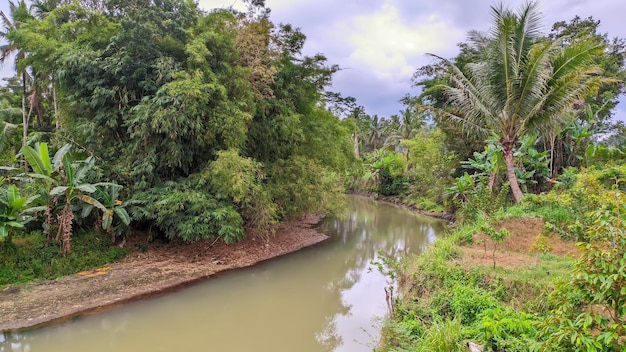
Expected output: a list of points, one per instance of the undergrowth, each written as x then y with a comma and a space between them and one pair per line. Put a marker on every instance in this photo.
29, 259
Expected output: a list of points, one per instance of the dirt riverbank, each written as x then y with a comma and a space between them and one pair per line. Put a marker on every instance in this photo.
161, 267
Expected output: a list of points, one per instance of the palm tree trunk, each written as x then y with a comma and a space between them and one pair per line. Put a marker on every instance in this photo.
510, 172
24, 116
552, 165
356, 145
57, 123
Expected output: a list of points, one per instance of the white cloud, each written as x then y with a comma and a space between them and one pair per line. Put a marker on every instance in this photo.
389, 46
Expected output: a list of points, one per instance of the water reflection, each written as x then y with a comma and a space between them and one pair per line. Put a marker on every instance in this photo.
320, 299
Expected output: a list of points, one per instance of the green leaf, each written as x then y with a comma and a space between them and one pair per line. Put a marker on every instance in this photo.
4, 231
58, 190
12, 195
107, 220
42, 177
87, 188
84, 169
18, 204
123, 215
45, 158
34, 160
14, 224
69, 170
34, 209
59, 155
86, 211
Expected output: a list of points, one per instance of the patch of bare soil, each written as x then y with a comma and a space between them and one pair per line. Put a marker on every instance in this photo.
516, 250
161, 267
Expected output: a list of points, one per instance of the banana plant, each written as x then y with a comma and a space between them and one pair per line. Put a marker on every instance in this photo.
73, 189
108, 195
64, 183
463, 187
47, 170
15, 211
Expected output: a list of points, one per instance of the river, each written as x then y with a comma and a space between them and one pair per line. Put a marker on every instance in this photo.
328, 297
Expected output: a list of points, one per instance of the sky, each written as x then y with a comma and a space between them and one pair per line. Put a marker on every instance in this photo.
379, 44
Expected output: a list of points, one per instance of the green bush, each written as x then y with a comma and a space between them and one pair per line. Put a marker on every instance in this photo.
179, 210
590, 309
504, 329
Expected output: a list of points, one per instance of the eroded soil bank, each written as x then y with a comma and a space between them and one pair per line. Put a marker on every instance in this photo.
159, 268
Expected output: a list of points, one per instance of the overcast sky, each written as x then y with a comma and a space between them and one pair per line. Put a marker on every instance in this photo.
380, 43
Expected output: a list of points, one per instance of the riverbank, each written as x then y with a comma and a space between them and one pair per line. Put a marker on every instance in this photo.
468, 288
442, 215
159, 268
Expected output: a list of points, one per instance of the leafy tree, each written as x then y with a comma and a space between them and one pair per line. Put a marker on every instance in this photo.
521, 83
165, 95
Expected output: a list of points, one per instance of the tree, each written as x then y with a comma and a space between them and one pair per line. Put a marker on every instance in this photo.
406, 127
521, 83
375, 132
19, 14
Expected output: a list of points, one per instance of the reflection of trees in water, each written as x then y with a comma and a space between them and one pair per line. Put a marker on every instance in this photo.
64, 332
371, 227
13, 342
368, 228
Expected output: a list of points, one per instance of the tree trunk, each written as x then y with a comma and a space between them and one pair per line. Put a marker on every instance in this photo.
356, 145
553, 173
57, 123
24, 115
510, 172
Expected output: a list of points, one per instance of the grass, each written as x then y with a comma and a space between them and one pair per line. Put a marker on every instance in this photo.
446, 303
31, 260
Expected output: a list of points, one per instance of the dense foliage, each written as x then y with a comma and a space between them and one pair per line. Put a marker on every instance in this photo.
559, 304
213, 122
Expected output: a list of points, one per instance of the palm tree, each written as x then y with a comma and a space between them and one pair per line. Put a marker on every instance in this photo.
523, 81
19, 13
375, 132
405, 126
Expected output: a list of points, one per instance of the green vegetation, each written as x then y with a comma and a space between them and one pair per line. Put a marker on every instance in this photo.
32, 259
516, 120
159, 115
560, 303
214, 126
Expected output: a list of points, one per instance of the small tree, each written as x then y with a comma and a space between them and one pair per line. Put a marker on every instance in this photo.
590, 309
63, 180
15, 212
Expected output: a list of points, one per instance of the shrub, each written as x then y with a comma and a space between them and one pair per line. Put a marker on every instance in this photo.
590, 309
179, 210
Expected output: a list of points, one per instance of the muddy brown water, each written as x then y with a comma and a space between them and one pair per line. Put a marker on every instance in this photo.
329, 297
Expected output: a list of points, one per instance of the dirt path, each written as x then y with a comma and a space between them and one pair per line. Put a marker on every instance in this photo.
516, 250
159, 268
